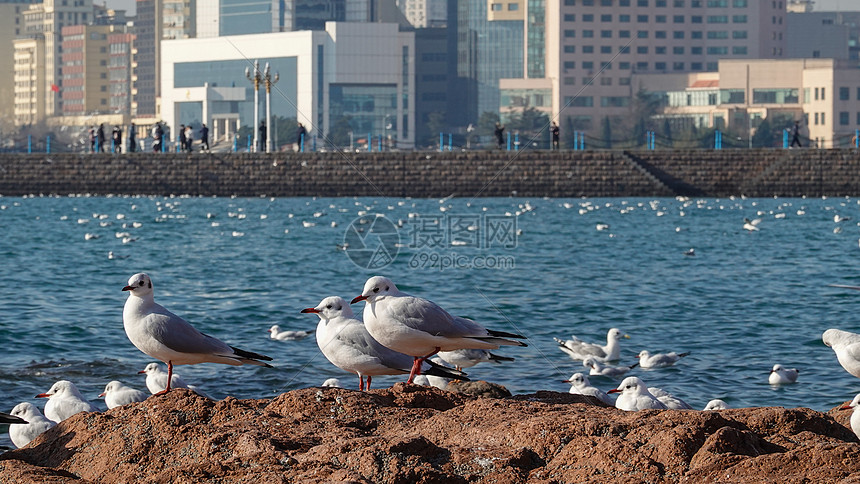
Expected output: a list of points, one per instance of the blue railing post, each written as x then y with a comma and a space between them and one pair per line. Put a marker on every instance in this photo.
302, 144
441, 141
509, 141
249, 143
314, 142
48, 144
450, 142
379, 142
784, 138
857, 138
235, 144
29, 143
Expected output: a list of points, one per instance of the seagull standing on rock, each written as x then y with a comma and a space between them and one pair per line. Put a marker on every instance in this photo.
846, 345
116, 395
34, 424
165, 336
634, 396
580, 385
420, 328
855, 415
347, 344
65, 400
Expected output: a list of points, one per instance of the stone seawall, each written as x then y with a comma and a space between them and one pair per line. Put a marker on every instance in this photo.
431, 174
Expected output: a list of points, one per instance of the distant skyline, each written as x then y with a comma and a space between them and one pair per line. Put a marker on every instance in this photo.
130, 6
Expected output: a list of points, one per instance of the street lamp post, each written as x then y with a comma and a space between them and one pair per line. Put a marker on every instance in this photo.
269, 82
256, 78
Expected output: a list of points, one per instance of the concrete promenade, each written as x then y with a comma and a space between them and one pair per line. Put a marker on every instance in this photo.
754, 173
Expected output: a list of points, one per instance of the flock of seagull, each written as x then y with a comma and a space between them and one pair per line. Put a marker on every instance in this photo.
399, 334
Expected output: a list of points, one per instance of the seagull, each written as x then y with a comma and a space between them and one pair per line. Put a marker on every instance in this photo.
671, 401
116, 395
579, 350
855, 415
657, 360
346, 343
64, 400
580, 385
751, 225
780, 375
276, 333
156, 380
691, 252
847, 348
34, 424
467, 358
635, 396
331, 383
599, 369
716, 404
419, 327
165, 336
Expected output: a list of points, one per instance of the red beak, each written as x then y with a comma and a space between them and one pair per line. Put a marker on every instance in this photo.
102, 394
845, 407
43, 395
637, 356
311, 310
565, 381
614, 390
127, 288
141, 372
358, 298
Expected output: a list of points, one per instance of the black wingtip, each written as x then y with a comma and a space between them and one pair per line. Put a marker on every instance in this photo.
502, 334
250, 355
499, 358
444, 372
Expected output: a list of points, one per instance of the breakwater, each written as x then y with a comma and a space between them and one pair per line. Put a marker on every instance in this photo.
754, 173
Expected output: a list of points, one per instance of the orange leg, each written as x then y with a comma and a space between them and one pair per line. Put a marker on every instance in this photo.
169, 378
416, 365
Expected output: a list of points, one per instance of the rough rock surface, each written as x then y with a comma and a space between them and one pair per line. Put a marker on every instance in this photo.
412, 434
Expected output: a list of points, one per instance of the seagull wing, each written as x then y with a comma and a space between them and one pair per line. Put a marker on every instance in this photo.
178, 335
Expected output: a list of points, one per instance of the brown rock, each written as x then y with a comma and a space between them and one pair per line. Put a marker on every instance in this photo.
412, 434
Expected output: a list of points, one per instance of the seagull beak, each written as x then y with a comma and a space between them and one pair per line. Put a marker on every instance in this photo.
847, 406
128, 288
627, 336
311, 310
614, 390
637, 356
565, 381
102, 394
141, 372
43, 395
359, 298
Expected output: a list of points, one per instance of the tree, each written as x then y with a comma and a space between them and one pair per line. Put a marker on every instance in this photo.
339, 133
764, 136
435, 124
487, 127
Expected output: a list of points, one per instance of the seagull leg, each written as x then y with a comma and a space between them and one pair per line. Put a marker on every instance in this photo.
169, 377
360, 383
368, 383
416, 365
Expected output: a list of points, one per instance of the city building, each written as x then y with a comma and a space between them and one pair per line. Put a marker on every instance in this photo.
46, 20
362, 73
423, 14
834, 35
10, 29
29, 78
594, 48
146, 73
121, 45
823, 94
85, 84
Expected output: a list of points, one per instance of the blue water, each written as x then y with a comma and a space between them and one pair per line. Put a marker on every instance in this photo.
233, 267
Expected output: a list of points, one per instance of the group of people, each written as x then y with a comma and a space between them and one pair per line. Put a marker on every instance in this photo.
98, 142
186, 138
553, 130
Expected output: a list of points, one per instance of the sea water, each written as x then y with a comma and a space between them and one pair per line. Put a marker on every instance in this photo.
543, 268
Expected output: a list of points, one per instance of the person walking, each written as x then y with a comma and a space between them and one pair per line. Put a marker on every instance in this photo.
553, 129
262, 136
100, 138
189, 137
182, 137
500, 135
795, 135
116, 136
92, 134
301, 135
131, 141
204, 138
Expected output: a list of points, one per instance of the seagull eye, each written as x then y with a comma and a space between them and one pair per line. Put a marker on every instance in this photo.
386, 288
375, 289
329, 306
339, 308
140, 283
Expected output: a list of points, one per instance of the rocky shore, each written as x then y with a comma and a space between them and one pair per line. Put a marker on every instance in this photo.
411, 434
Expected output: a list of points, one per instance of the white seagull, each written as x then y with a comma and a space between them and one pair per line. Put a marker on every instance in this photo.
657, 360
847, 348
716, 404
634, 396
156, 379
671, 401
10, 418
599, 369
346, 343
751, 225
331, 383
116, 395
468, 358
35, 425
419, 327
64, 400
165, 336
276, 333
580, 385
779, 375
579, 350
855, 415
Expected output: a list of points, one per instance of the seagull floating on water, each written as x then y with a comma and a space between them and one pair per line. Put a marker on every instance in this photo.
780, 375
165, 336
751, 225
658, 360
599, 369
276, 333
580, 350
419, 327
468, 358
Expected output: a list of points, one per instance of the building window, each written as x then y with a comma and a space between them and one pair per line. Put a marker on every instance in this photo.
822, 94
588, 34
660, 66
660, 19
642, 19
844, 94
678, 19
678, 50
843, 118
496, 7
678, 66
739, 34
606, 18
822, 119
641, 3
643, 49
678, 34
642, 34
605, 34
660, 50
605, 81
739, 19
570, 49
740, 3
624, 34
696, 50
570, 17
605, 49
624, 66
513, 7
739, 50
718, 34
641, 66
718, 19
587, 49
588, 65
718, 50
569, 81
582, 102
696, 34
624, 18
696, 66
660, 34
816, 119
588, 17
570, 33
569, 65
